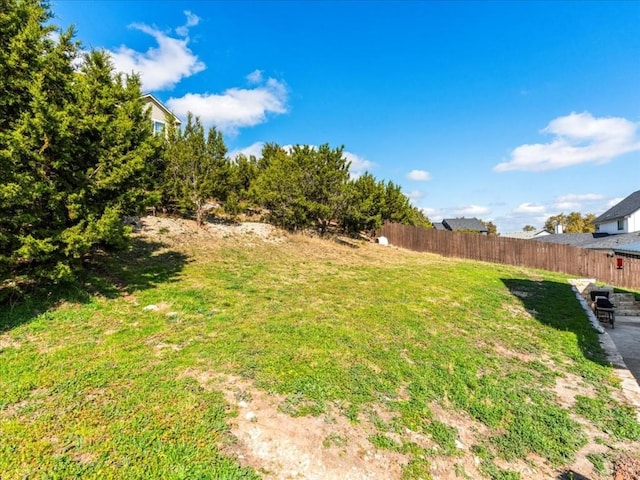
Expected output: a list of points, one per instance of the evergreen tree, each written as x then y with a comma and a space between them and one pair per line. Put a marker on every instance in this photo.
397, 208
243, 171
302, 187
73, 147
366, 198
196, 170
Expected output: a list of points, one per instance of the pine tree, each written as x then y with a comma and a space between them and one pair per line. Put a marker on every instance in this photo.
73, 147
365, 205
302, 187
196, 170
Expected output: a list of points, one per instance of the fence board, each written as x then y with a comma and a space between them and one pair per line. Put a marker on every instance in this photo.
514, 251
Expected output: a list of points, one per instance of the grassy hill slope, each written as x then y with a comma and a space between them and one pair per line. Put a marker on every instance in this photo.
201, 354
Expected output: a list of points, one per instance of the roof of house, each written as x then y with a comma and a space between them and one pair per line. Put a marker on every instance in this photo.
162, 107
622, 209
598, 241
526, 235
464, 224
632, 248
439, 226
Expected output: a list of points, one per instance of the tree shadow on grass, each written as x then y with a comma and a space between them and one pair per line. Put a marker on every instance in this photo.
111, 275
555, 304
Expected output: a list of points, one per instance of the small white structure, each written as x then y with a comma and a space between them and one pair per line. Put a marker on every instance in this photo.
382, 240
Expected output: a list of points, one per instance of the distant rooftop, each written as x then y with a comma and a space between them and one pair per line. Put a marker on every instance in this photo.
526, 235
595, 241
457, 224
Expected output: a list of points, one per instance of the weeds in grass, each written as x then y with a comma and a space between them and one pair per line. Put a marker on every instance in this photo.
613, 418
598, 460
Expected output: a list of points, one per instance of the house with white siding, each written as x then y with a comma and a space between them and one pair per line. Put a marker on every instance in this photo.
623, 217
161, 116
617, 230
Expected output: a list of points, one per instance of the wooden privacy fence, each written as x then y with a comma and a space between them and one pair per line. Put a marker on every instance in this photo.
554, 257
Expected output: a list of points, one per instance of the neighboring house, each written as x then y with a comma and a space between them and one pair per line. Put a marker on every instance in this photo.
624, 217
617, 230
462, 224
161, 116
526, 235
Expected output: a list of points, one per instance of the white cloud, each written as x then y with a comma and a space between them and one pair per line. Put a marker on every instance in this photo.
254, 149
471, 210
419, 175
255, 77
235, 108
160, 68
585, 197
433, 214
574, 201
567, 205
579, 138
192, 21
359, 165
529, 209
415, 196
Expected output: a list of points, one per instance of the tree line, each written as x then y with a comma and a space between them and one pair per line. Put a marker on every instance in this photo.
299, 187
77, 153
574, 222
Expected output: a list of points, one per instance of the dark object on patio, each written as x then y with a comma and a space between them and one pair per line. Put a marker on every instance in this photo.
605, 310
599, 293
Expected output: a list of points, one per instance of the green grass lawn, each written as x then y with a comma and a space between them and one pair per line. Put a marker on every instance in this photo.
92, 385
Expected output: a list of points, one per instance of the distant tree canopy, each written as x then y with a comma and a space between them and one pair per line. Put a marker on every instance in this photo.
528, 228
305, 187
302, 186
371, 203
492, 230
574, 222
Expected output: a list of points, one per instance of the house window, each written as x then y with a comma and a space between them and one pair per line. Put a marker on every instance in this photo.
620, 224
158, 127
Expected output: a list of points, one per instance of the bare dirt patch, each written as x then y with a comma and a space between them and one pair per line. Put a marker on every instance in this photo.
568, 387
283, 447
7, 342
185, 231
329, 446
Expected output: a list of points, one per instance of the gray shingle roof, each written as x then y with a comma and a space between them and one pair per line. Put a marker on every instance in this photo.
592, 240
633, 248
439, 226
464, 224
623, 209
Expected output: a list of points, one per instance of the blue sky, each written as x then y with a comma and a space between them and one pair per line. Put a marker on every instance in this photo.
507, 111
